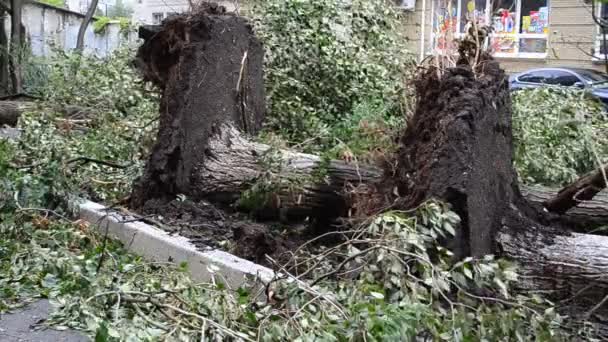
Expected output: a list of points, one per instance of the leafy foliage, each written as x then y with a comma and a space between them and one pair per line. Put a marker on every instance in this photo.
99, 25
340, 50
102, 113
392, 282
56, 3
559, 134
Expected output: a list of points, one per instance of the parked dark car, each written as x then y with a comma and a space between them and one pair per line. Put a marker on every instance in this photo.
596, 82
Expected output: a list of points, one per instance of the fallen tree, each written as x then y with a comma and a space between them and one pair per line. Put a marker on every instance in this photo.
457, 148
305, 184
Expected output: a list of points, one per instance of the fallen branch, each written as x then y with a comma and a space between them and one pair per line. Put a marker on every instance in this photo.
584, 189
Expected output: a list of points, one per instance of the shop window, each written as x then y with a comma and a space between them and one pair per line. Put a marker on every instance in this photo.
520, 26
445, 19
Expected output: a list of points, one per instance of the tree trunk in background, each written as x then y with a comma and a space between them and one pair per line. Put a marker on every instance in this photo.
85, 23
4, 61
16, 47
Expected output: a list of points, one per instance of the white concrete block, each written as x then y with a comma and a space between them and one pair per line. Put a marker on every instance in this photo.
156, 244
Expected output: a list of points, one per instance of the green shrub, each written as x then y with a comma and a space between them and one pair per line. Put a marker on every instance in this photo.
99, 25
56, 3
560, 134
118, 126
324, 57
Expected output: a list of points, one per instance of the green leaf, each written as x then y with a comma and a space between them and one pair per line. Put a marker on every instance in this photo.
101, 334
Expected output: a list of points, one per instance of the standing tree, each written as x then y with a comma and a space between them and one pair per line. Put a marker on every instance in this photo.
602, 22
4, 78
15, 46
85, 23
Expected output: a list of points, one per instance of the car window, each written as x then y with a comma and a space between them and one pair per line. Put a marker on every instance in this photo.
593, 76
563, 78
540, 76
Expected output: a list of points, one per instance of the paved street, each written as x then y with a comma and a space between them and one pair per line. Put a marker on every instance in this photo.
16, 327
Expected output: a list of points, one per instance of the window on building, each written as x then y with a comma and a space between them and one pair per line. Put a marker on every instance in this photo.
520, 26
157, 18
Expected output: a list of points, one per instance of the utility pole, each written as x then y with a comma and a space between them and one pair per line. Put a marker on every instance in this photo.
603, 24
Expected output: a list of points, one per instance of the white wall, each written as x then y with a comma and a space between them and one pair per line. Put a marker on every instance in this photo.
48, 27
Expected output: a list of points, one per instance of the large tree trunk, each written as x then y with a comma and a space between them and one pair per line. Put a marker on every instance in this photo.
16, 47
307, 185
4, 60
568, 269
209, 67
459, 148
85, 23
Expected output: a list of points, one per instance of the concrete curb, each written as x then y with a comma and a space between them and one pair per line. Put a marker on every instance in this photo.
156, 244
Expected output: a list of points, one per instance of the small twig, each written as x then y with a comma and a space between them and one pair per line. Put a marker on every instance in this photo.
343, 263
597, 307
238, 83
47, 211
103, 246
147, 319
84, 160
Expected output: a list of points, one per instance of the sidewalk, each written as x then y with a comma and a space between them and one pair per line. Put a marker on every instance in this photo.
17, 326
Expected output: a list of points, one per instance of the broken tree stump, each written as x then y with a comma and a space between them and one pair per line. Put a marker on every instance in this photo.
209, 68
458, 148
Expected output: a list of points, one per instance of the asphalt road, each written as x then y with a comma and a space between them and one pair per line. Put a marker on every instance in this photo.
18, 326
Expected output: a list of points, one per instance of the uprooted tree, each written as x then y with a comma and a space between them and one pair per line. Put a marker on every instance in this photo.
458, 148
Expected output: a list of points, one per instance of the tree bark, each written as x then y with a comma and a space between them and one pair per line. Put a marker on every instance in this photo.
309, 184
4, 60
568, 269
85, 23
584, 189
301, 184
16, 47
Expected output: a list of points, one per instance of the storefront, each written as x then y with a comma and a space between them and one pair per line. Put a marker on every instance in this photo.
521, 27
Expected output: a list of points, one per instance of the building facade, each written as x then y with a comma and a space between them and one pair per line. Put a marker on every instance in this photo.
527, 33
153, 12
